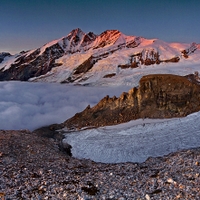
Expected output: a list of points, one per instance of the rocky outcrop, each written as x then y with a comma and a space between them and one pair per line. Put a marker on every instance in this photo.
147, 57
109, 75
190, 50
158, 96
80, 70
3, 55
194, 78
32, 65
106, 38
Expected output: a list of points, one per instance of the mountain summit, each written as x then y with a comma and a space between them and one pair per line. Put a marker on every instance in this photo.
85, 58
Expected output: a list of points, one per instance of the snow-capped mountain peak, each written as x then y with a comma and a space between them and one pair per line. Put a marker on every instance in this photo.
74, 38
108, 37
87, 58
75, 32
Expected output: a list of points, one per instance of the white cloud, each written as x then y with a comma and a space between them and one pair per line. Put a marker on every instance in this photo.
32, 105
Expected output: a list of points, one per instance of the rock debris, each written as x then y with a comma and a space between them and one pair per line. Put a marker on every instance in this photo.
33, 167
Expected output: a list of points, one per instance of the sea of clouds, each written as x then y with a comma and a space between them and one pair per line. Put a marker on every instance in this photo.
25, 105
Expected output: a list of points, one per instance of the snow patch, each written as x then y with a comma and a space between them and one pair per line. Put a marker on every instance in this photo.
8, 60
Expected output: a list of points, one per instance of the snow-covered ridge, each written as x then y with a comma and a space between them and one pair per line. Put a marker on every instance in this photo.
110, 54
78, 41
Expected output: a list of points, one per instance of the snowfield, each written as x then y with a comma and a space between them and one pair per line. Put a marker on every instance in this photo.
137, 140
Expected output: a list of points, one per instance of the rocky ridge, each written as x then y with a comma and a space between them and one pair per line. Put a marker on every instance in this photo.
158, 96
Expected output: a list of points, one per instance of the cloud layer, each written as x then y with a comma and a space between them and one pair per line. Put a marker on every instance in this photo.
32, 105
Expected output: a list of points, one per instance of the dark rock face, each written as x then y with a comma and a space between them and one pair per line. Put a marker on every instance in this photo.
3, 55
191, 49
147, 57
50, 132
107, 37
194, 78
109, 75
33, 65
158, 96
37, 63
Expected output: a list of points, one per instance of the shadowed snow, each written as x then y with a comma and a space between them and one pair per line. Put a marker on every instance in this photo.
137, 140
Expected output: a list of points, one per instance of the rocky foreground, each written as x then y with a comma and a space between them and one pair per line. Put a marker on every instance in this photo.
33, 167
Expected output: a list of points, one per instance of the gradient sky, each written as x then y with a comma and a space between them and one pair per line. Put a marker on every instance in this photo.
28, 24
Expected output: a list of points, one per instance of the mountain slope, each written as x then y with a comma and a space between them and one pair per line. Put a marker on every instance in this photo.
3, 55
86, 58
158, 96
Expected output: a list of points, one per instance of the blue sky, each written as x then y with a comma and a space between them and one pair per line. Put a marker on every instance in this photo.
28, 24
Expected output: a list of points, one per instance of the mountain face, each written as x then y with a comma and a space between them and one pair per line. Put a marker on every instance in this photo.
85, 57
3, 55
158, 96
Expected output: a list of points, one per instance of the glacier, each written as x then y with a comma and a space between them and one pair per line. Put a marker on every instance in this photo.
136, 140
